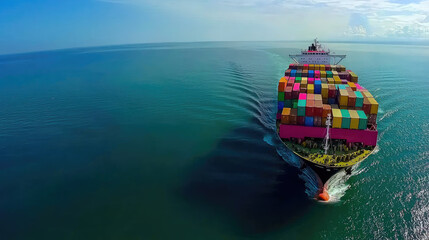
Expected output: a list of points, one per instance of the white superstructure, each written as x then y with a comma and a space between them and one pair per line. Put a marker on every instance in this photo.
316, 54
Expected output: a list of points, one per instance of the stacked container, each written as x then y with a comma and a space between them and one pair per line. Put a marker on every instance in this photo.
308, 93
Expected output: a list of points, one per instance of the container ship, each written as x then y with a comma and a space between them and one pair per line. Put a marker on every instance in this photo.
324, 115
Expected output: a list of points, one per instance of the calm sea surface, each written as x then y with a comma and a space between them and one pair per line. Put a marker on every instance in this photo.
177, 141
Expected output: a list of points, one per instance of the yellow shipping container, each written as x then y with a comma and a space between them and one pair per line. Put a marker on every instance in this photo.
310, 88
367, 94
374, 106
343, 97
352, 85
331, 80
325, 90
323, 74
304, 78
316, 67
337, 117
354, 119
311, 67
334, 73
337, 80
322, 67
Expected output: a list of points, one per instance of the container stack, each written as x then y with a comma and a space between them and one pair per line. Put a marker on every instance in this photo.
308, 93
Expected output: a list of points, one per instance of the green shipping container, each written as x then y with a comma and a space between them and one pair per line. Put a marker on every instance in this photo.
328, 74
295, 103
301, 107
281, 96
359, 99
345, 122
298, 74
298, 79
288, 103
363, 120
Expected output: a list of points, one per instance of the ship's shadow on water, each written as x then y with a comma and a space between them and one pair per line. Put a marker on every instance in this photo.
246, 179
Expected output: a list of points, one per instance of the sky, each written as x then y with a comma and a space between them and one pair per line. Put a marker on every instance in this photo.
35, 25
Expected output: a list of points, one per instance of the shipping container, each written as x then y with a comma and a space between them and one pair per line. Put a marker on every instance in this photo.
301, 120
301, 107
280, 106
326, 110
285, 116
337, 118
293, 116
351, 99
352, 85
281, 96
359, 99
309, 121
345, 121
366, 106
343, 97
354, 119
309, 108
317, 121
310, 88
374, 106
363, 120
288, 92
353, 77
318, 108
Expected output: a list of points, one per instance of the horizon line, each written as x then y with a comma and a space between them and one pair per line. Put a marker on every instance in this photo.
379, 41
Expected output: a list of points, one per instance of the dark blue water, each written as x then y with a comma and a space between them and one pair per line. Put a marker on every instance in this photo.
177, 141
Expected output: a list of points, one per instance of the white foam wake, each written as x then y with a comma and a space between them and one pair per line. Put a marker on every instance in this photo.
337, 185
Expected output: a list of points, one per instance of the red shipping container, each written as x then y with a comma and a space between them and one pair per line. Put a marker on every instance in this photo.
309, 108
318, 109
281, 87
290, 82
288, 93
300, 120
352, 99
366, 106
332, 93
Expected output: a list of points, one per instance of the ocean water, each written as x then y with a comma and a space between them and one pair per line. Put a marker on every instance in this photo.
177, 141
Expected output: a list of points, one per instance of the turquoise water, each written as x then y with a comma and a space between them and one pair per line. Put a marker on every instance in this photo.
177, 141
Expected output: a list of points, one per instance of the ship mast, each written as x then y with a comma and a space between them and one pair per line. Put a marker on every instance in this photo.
326, 140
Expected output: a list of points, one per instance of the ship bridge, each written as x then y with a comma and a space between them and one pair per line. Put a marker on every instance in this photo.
316, 54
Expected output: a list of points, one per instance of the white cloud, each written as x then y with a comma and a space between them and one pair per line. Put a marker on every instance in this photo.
307, 18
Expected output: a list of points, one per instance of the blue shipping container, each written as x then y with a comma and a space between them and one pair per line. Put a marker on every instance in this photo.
309, 121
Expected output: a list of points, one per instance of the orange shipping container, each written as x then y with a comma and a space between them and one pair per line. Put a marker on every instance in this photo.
285, 116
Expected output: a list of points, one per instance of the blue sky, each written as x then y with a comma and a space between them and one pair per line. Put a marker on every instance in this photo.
33, 25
